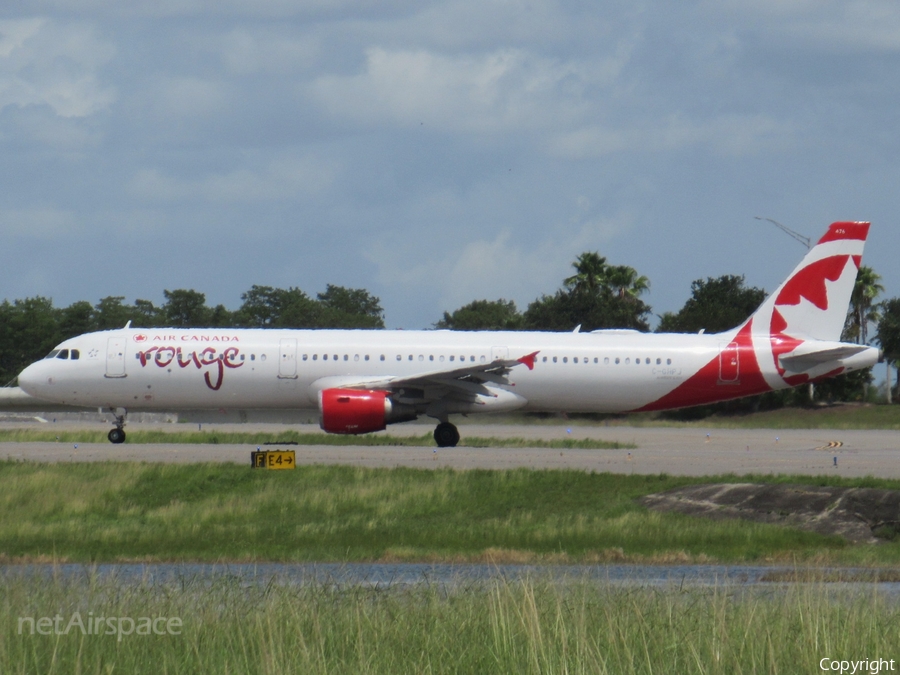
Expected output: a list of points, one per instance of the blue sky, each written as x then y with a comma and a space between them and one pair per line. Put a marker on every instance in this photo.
437, 152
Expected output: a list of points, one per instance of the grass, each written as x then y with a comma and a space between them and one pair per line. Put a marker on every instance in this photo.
297, 438
531, 626
108, 512
846, 416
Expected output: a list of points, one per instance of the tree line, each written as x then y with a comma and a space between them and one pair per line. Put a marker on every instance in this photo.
600, 296
597, 296
30, 328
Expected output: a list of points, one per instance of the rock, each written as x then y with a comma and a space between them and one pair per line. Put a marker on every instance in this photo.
860, 515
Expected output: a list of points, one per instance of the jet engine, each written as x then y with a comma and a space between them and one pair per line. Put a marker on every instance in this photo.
354, 411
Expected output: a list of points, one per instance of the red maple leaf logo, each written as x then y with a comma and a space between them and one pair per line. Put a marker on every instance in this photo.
140, 337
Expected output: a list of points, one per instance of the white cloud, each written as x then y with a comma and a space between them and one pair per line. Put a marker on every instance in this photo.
47, 63
509, 264
505, 91
37, 222
247, 51
284, 178
726, 135
211, 8
178, 97
865, 25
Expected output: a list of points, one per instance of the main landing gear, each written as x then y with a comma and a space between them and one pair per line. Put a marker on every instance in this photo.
117, 435
446, 435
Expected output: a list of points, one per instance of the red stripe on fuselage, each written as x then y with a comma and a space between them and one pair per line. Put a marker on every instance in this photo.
706, 387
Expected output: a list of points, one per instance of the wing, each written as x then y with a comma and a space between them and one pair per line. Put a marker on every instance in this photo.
466, 385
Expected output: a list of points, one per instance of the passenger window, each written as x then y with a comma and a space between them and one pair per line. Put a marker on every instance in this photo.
441, 358
627, 361
346, 357
356, 357
382, 357
305, 357
399, 357
606, 360
324, 357
452, 357
565, 359
647, 362
575, 360
431, 357
421, 357
545, 359
668, 362
253, 357
315, 357
658, 361
410, 357
367, 357
617, 360
484, 358
554, 359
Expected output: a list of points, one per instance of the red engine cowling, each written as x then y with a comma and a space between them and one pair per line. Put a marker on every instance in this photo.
351, 411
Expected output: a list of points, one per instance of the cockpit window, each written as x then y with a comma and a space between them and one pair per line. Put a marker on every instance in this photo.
63, 354
52, 354
75, 355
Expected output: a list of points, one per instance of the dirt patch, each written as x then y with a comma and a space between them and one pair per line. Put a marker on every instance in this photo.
860, 515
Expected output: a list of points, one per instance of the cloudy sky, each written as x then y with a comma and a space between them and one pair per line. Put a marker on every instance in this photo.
437, 152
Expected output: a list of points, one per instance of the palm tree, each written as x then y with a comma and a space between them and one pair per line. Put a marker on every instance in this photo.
863, 308
625, 283
591, 274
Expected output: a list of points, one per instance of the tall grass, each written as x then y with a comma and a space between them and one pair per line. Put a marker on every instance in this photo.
208, 512
535, 625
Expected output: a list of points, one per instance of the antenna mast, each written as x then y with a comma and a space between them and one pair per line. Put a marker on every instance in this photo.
806, 241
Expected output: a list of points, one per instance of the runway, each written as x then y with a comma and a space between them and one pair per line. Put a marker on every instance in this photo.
675, 451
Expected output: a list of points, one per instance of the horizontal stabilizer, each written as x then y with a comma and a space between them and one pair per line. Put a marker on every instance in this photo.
799, 363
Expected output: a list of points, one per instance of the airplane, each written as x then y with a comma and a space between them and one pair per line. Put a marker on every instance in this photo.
362, 380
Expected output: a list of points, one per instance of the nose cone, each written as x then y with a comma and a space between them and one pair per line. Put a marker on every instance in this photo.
36, 380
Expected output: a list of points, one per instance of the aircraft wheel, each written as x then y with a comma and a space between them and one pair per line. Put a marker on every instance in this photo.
446, 435
116, 435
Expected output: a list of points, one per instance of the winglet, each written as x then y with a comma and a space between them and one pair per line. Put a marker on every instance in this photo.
529, 360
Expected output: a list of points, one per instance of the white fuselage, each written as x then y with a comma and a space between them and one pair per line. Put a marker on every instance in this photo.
170, 369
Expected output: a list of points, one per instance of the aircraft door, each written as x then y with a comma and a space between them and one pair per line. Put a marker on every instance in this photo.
287, 359
115, 357
729, 364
